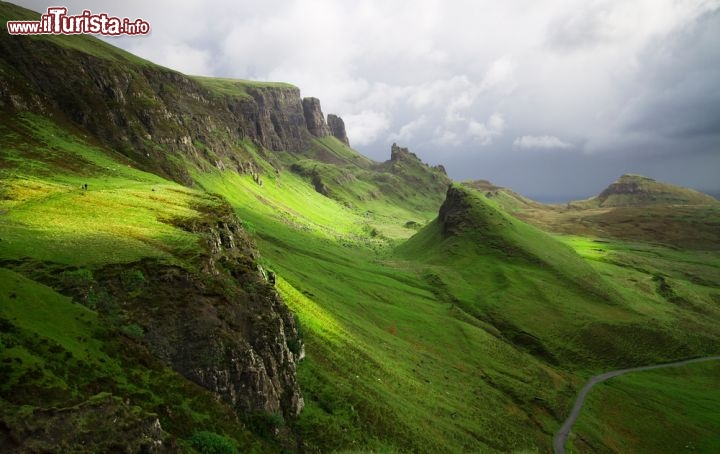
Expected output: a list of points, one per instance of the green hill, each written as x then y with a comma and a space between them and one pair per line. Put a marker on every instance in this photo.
637, 190
199, 262
546, 296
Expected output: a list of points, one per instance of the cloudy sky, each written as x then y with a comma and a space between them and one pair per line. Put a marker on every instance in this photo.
554, 98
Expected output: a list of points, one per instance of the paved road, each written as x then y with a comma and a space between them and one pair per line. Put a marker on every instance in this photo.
562, 434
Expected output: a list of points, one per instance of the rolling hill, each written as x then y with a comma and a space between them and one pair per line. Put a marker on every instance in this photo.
209, 265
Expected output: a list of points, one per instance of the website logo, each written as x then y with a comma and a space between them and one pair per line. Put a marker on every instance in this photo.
57, 22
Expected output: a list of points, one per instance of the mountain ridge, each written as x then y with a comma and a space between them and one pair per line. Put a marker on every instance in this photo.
639, 190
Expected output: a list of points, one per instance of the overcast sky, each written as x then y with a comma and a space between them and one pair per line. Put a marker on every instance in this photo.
554, 98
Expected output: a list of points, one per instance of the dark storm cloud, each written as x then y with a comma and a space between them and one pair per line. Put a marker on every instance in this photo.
679, 90
554, 98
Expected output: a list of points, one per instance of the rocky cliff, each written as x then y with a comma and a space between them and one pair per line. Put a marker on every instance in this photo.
158, 117
314, 118
337, 128
223, 326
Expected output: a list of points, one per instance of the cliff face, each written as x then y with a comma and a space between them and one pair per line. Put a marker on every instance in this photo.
314, 118
102, 424
337, 128
223, 327
153, 115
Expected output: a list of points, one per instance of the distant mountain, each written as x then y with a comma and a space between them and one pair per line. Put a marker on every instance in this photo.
637, 190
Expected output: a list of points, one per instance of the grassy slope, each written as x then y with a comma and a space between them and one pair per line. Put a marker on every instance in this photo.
380, 343
62, 352
670, 410
382, 334
634, 190
532, 286
427, 356
236, 87
371, 319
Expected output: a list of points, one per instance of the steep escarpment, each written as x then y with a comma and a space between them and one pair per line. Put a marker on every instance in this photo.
223, 325
142, 332
314, 117
161, 119
337, 128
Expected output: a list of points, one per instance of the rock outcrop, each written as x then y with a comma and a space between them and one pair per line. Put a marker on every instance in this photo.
223, 326
398, 154
314, 118
337, 128
104, 423
413, 175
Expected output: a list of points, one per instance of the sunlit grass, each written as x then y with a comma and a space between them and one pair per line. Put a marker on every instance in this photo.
668, 410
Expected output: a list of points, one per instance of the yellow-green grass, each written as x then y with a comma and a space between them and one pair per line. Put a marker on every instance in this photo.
123, 215
388, 365
471, 343
107, 223
584, 314
672, 286
330, 149
60, 352
369, 316
236, 87
662, 411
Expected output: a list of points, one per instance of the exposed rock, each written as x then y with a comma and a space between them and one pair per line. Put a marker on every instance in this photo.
454, 215
102, 424
314, 118
462, 212
148, 112
337, 128
398, 154
222, 326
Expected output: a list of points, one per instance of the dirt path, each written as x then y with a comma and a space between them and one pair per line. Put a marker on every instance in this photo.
562, 434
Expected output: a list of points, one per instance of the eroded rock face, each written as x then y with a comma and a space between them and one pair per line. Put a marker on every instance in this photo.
314, 118
223, 327
337, 128
148, 112
102, 424
398, 153
453, 214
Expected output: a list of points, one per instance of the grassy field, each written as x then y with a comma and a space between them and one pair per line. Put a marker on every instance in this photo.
669, 410
236, 87
56, 353
389, 365
475, 340
392, 315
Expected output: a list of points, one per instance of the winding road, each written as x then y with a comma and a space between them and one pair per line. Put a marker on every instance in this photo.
562, 434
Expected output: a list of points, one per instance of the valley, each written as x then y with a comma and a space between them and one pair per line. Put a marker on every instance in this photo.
406, 312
